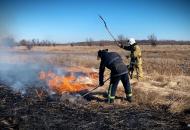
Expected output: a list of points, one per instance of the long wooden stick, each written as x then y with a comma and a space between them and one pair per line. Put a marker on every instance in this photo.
109, 30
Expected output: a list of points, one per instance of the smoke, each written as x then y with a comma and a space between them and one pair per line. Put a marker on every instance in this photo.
20, 76
20, 73
20, 69
7, 41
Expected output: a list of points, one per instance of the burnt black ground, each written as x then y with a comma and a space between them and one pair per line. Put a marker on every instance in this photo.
30, 112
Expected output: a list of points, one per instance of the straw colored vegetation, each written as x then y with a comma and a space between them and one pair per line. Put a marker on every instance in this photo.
166, 70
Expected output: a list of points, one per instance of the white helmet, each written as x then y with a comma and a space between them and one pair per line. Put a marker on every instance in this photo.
131, 41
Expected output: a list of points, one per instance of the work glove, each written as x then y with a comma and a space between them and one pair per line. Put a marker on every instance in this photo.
101, 83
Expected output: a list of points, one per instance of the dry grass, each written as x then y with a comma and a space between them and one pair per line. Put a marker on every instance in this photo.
166, 68
149, 94
164, 59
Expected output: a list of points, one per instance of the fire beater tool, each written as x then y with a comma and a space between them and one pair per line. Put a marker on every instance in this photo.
94, 88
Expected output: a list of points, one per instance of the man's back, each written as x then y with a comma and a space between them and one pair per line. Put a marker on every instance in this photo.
114, 62
110, 57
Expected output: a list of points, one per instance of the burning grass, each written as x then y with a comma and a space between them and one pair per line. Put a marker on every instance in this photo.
70, 82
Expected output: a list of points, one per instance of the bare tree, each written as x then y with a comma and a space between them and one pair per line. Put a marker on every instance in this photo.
153, 39
89, 41
34, 41
23, 43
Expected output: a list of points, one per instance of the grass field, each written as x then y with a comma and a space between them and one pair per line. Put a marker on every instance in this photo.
166, 67
166, 85
163, 59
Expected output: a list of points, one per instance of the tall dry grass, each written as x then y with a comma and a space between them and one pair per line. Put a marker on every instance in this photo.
166, 68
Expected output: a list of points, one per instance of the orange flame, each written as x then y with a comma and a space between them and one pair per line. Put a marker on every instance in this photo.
69, 83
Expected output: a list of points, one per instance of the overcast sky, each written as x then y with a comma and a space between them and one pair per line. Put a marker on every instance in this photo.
77, 20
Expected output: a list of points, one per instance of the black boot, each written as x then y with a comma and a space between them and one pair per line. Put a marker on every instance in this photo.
129, 99
110, 100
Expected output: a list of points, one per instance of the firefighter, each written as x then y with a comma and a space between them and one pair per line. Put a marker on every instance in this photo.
136, 58
119, 71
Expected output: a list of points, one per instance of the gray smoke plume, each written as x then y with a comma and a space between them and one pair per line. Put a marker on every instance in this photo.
20, 74
7, 41
20, 69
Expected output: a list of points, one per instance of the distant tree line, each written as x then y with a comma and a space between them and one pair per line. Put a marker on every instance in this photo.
151, 40
35, 42
140, 42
